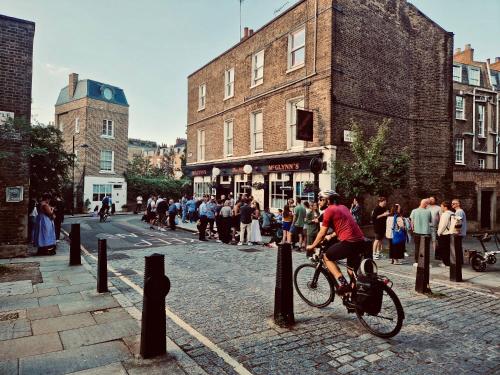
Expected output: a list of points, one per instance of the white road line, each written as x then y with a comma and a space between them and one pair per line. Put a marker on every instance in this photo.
238, 367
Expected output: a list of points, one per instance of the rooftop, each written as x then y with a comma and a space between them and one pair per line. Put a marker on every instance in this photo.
87, 88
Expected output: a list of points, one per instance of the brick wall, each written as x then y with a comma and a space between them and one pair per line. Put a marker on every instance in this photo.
16, 60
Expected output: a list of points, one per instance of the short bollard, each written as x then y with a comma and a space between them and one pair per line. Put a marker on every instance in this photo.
422, 243
283, 293
74, 249
456, 258
102, 267
156, 287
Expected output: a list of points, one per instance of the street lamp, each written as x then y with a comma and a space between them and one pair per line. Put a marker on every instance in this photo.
73, 193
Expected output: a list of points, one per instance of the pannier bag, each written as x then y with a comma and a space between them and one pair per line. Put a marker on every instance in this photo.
369, 294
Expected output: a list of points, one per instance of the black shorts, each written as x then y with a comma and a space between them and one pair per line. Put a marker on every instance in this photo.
297, 230
379, 235
350, 250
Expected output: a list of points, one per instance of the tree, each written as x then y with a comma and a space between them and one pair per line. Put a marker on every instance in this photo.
375, 169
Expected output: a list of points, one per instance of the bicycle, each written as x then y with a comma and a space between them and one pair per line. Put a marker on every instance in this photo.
372, 298
479, 261
103, 216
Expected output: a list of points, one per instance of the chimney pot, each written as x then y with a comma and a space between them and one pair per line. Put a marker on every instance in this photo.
73, 81
250, 32
497, 59
245, 32
458, 50
467, 46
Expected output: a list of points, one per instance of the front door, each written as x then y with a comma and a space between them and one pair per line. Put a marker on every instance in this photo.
486, 197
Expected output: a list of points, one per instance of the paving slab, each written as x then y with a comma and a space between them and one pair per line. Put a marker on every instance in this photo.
104, 302
16, 287
43, 312
62, 323
9, 367
159, 366
111, 315
73, 360
112, 369
77, 288
18, 304
54, 300
28, 346
13, 329
99, 333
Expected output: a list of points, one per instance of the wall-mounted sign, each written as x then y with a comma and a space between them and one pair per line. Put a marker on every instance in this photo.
283, 167
304, 125
348, 136
199, 172
4, 116
14, 194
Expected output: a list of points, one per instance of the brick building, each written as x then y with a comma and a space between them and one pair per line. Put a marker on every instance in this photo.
16, 61
93, 118
342, 60
476, 175
138, 147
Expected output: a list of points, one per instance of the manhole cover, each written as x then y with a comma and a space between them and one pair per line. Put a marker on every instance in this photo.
251, 250
9, 316
117, 256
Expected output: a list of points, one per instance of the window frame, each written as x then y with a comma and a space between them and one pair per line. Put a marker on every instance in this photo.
459, 70
228, 84
291, 142
112, 161
481, 163
292, 49
105, 133
457, 108
461, 142
254, 133
481, 128
102, 191
202, 96
201, 146
474, 69
228, 138
256, 81
276, 192
77, 125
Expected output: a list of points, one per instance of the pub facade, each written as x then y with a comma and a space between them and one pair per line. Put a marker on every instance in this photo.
243, 128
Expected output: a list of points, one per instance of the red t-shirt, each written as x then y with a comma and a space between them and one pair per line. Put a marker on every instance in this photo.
340, 219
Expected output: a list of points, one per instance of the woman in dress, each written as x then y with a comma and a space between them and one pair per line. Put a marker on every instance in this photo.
225, 217
356, 211
45, 234
287, 223
255, 236
307, 221
395, 222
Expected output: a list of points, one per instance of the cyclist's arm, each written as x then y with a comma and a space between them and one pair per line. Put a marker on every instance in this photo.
319, 237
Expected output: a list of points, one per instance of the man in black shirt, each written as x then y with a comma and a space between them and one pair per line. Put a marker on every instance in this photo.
246, 221
161, 211
379, 219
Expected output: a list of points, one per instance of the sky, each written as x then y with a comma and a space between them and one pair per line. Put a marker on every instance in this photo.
149, 47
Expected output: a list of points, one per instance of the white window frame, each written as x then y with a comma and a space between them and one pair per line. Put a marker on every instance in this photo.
459, 111
200, 155
202, 96
481, 163
254, 132
112, 170
481, 108
229, 83
291, 123
257, 79
77, 125
228, 137
102, 191
459, 151
292, 49
280, 189
458, 77
105, 133
476, 70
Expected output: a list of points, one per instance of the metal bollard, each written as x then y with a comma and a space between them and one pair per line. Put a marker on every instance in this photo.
456, 258
283, 293
156, 287
422, 280
74, 249
102, 267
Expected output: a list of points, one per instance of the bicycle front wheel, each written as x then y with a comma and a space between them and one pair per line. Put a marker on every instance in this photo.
313, 285
388, 322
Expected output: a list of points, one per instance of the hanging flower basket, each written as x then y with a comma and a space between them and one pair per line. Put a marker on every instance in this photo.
258, 185
308, 187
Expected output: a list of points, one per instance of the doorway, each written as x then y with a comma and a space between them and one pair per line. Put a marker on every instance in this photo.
486, 197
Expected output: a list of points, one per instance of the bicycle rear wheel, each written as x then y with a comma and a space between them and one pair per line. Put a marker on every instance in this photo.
388, 322
313, 285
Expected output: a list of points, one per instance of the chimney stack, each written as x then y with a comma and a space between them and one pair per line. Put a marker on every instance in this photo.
245, 33
250, 32
458, 50
497, 59
467, 47
73, 81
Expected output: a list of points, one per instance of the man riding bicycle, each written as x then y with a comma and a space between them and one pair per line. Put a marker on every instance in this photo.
105, 206
351, 239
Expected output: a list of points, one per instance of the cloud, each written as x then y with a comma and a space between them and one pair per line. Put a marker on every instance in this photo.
56, 70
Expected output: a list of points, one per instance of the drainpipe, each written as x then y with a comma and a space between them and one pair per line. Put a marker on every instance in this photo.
315, 34
497, 138
474, 124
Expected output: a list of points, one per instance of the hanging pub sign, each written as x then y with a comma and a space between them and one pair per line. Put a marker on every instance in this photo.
304, 125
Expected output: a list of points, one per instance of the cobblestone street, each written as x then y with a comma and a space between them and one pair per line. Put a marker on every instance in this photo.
226, 293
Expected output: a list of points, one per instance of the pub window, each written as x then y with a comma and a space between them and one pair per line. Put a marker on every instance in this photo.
303, 182
242, 185
281, 189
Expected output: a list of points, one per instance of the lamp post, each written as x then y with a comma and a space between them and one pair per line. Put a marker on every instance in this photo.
73, 192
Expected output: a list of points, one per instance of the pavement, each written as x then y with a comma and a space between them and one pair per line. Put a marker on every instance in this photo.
220, 308
61, 325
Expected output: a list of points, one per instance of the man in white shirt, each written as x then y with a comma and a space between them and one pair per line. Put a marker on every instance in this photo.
435, 211
138, 206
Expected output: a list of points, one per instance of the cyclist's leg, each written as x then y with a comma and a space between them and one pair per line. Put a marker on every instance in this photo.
337, 251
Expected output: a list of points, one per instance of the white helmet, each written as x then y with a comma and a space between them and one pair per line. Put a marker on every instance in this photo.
327, 194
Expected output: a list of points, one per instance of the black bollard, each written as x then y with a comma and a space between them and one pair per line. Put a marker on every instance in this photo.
456, 258
156, 287
283, 293
74, 249
422, 243
102, 267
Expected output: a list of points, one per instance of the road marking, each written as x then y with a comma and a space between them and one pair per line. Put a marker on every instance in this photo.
238, 367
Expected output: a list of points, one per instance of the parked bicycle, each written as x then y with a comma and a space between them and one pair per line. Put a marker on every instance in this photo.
372, 299
479, 260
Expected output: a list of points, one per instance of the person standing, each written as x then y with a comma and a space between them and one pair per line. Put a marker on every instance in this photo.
444, 231
379, 218
138, 204
435, 210
236, 221
255, 235
356, 211
421, 220
59, 215
45, 234
246, 222
396, 223
462, 231
225, 215
161, 212
287, 224
299, 215
32, 214
202, 212
172, 213
184, 208
191, 209
211, 212
312, 220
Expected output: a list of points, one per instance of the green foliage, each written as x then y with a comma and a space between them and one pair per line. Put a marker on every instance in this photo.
166, 187
375, 168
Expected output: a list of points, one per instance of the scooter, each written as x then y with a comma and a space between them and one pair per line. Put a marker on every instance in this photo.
479, 260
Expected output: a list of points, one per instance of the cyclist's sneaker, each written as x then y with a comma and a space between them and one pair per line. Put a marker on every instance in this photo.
240, 243
343, 289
